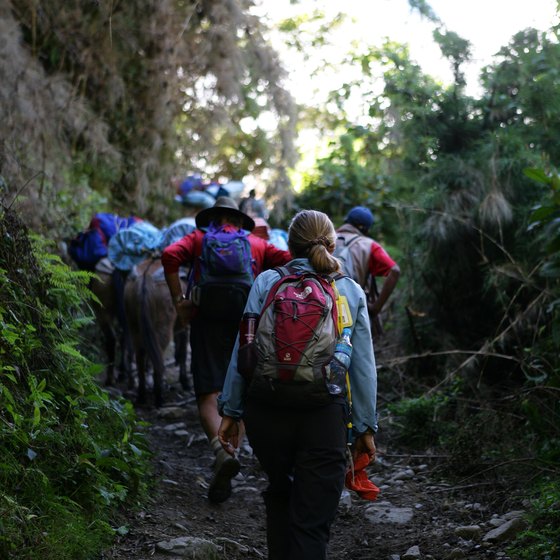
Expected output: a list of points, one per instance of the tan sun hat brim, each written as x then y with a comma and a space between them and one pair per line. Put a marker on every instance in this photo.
224, 205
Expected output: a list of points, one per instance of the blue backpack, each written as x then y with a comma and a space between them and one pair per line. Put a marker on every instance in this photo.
226, 274
88, 247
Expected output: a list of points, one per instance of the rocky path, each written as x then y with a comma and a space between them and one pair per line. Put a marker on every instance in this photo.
416, 515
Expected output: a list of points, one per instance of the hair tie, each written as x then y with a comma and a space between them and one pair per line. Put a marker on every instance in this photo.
321, 240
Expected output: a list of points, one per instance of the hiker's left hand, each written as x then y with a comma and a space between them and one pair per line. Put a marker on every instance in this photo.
373, 308
228, 434
364, 444
185, 311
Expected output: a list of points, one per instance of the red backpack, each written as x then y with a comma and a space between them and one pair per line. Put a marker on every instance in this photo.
294, 340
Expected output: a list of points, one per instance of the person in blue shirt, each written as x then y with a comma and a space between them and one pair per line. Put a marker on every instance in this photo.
304, 450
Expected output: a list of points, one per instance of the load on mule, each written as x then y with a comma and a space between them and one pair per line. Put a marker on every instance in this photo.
116, 248
149, 310
89, 251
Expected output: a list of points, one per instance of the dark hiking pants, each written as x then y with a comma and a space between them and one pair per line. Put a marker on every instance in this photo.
211, 347
303, 453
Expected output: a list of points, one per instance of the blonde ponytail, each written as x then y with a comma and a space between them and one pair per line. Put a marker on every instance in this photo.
311, 234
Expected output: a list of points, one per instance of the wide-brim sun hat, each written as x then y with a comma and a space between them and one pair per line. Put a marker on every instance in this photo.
224, 206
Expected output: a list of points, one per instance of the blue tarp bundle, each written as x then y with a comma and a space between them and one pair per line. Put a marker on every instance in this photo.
129, 247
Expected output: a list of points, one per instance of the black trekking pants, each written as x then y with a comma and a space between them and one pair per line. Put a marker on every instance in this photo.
303, 453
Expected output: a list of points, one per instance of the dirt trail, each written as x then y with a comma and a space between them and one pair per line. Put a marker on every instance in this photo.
417, 515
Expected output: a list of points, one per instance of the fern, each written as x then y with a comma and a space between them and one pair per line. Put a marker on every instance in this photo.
69, 350
69, 287
48, 395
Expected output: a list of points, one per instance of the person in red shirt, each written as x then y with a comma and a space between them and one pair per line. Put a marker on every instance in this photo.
369, 259
212, 340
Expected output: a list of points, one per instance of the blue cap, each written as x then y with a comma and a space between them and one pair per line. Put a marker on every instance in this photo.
360, 216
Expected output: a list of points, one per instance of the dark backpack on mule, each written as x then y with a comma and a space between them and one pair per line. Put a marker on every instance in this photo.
226, 274
294, 341
90, 246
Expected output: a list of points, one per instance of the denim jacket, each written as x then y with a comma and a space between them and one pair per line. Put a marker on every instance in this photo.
362, 371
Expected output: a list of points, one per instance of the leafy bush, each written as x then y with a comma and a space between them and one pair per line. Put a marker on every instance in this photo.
69, 455
419, 421
487, 438
541, 541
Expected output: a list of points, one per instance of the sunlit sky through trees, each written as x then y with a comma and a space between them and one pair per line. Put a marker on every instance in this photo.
487, 24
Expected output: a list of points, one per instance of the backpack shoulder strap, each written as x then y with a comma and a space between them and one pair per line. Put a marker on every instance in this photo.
283, 270
290, 271
350, 241
343, 315
334, 276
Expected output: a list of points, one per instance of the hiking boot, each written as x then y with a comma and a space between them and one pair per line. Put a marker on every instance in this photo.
225, 469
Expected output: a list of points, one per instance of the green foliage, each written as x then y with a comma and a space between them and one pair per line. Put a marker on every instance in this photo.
487, 436
344, 179
424, 9
471, 191
542, 540
419, 422
135, 93
546, 219
70, 456
306, 32
455, 49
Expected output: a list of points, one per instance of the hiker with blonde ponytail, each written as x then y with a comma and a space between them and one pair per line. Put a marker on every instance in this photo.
295, 425
312, 235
